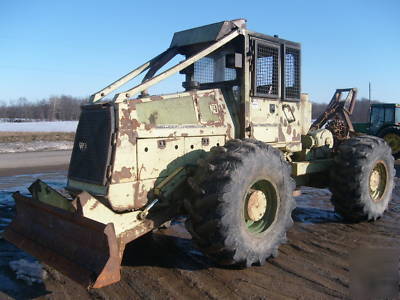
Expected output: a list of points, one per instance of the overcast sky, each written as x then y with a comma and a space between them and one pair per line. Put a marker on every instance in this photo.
78, 47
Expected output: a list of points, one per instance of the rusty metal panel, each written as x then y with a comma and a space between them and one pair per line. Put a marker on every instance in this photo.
158, 157
280, 122
305, 113
290, 126
196, 147
129, 195
150, 123
124, 166
209, 110
264, 115
208, 107
175, 111
203, 143
83, 249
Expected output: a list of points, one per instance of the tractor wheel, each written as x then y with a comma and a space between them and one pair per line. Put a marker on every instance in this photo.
244, 203
362, 178
391, 135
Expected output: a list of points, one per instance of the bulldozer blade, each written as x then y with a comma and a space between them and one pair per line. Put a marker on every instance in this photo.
83, 249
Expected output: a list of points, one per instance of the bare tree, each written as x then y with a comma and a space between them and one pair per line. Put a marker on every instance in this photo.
360, 113
68, 108
54, 108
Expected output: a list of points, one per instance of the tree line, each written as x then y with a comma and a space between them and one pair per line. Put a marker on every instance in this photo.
360, 113
66, 108
63, 108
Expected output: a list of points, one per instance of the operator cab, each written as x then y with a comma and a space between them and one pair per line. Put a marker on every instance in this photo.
259, 76
274, 64
384, 114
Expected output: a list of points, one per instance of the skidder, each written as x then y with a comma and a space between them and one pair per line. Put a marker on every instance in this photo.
227, 152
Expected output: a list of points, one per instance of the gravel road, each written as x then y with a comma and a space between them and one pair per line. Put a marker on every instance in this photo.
33, 162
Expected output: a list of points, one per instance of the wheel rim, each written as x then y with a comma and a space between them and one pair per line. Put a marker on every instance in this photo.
394, 142
260, 206
378, 181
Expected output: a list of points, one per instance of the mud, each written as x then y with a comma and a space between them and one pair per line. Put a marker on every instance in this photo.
314, 264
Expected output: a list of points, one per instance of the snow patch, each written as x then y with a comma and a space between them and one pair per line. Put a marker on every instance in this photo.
30, 272
44, 126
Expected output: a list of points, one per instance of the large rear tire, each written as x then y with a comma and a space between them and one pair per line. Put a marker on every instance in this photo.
362, 178
244, 203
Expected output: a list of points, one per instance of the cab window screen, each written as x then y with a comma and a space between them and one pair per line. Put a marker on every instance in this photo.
212, 69
292, 73
229, 74
267, 70
204, 70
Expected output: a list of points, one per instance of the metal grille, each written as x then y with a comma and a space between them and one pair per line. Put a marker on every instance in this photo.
292, 73
267, 81
204, 70
92, 147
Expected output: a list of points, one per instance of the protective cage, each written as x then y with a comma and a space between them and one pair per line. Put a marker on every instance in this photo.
276, 70
92, 150
291, 73
267, 70
209, 70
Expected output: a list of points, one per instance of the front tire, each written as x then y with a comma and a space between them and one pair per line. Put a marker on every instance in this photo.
244, 203
362, 178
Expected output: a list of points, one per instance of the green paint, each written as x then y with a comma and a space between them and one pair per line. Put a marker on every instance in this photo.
233, 107
175, 111
206, 114
92, 188
271, 211
44, 193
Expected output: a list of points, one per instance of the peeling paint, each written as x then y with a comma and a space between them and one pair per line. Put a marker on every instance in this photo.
289, 130
123, 173
133, 177
281, 134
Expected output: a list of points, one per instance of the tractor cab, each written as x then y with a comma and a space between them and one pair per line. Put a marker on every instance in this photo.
383, 115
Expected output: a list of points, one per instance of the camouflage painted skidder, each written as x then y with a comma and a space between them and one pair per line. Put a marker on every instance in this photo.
227, 152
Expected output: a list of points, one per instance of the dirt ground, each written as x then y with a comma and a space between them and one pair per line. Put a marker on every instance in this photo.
8, 136
314, 264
